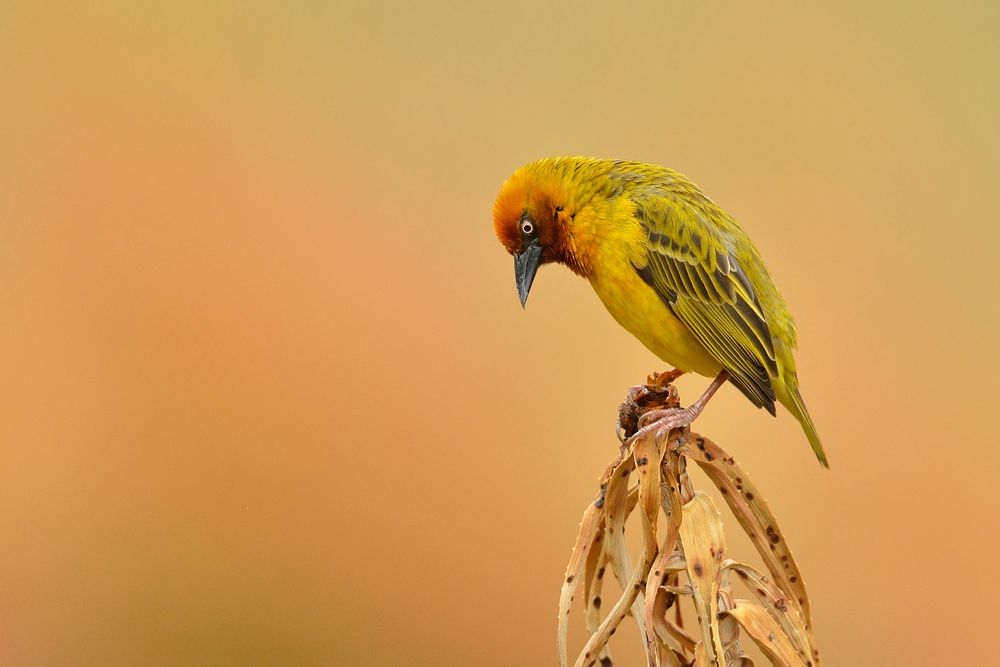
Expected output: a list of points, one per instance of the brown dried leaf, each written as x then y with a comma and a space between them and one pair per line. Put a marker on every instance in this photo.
656, 594
729, 629
668, 634
774, 602
750, 509
646, 458
618, 504
765, 631
599, 639
649, 459
701, 658
591, 524
704, 546
593, 584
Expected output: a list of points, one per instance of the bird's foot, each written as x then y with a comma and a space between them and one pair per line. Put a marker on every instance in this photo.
656, 394
662, 422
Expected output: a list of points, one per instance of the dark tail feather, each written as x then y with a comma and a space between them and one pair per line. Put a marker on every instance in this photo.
802, 414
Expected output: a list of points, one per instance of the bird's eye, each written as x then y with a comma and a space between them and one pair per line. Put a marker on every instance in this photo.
526, 227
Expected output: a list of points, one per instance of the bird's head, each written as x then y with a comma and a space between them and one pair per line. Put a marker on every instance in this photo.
533, 218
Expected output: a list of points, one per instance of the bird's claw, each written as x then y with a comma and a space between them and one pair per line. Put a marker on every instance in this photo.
661, 422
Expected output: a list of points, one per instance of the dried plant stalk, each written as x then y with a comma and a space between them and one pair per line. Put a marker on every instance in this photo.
690, 561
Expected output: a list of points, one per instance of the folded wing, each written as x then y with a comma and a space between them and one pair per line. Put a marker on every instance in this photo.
692, 268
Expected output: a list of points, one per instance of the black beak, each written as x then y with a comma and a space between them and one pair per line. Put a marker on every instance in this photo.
525, 267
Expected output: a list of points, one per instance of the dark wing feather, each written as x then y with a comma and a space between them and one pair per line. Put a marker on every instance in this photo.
697, 275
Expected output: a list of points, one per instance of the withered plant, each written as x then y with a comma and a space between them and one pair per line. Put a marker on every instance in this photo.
648, 483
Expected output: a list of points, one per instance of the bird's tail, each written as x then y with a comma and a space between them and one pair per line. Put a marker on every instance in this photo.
797, 407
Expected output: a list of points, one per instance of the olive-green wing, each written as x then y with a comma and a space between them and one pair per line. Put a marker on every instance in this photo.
691, 266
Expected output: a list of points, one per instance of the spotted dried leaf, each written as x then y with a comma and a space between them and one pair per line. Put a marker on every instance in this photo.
766, 633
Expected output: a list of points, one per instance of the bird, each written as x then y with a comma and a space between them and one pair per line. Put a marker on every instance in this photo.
671, 266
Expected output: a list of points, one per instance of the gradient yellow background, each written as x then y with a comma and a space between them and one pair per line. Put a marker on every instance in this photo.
268, 395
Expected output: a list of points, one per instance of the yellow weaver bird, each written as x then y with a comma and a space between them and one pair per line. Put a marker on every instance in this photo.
671, 267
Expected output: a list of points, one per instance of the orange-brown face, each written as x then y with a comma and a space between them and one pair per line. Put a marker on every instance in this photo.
531, 225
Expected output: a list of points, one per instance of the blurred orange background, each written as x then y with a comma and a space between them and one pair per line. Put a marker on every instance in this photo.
269, 396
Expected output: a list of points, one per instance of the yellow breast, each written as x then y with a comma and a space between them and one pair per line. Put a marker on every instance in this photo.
637, 307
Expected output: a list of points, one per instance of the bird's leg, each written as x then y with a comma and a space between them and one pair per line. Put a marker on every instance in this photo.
663, 421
